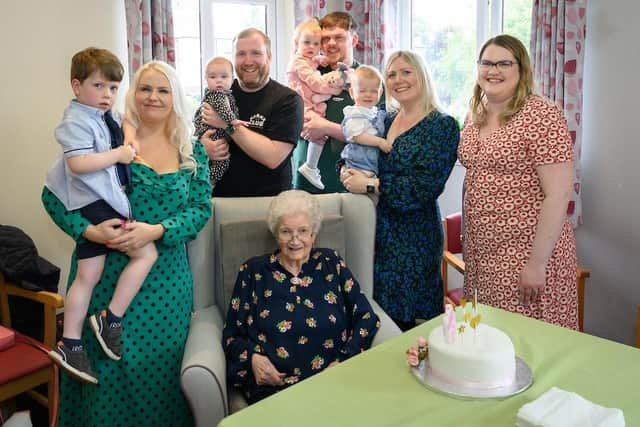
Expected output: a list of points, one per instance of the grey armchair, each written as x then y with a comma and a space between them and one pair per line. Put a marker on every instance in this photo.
236, 232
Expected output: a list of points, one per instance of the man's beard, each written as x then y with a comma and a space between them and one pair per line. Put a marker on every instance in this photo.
261, 78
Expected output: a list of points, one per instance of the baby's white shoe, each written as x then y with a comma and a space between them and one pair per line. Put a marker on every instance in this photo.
312, 175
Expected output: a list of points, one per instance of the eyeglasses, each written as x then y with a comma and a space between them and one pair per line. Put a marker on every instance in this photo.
287, 234
505, 65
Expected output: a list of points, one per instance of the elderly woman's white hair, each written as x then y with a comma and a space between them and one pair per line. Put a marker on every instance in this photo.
293, 202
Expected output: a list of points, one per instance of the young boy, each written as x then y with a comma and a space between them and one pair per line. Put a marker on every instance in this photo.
91, 175
314, 88
219, 75
363, 122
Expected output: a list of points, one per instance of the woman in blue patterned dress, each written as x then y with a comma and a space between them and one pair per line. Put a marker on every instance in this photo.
407, 282
296, 311
170, 200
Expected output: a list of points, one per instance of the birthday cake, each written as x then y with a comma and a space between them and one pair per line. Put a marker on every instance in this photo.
471, 355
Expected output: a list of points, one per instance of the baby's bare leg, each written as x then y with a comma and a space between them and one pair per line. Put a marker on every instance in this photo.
131, 279
77, 301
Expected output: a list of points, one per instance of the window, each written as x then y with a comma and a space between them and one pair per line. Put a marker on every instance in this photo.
206, 28
187, 38
517, 19
448, 35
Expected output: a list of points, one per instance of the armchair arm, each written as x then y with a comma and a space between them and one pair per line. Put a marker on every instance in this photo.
203, 373
388, 328
49, 300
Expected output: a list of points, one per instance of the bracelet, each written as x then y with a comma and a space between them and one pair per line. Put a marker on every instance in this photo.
229, 130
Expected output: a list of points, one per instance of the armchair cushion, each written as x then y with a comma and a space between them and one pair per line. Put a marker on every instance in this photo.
242, 240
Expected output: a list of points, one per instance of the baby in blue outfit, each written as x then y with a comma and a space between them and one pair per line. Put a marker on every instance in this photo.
363, 123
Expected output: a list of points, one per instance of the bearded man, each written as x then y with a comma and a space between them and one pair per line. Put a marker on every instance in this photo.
260, 152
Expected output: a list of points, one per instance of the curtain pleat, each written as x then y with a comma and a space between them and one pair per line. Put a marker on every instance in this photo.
557, 50
149, 32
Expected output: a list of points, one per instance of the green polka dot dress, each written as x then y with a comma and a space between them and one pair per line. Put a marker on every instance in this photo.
143, 388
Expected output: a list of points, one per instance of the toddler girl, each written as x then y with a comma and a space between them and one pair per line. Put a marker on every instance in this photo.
313, 87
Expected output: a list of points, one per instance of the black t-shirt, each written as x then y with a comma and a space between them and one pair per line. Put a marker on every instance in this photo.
276, 112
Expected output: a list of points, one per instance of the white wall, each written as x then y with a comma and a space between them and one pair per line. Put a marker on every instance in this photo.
608, 240
39, 39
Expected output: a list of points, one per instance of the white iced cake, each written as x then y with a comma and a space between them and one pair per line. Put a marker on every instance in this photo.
483, 358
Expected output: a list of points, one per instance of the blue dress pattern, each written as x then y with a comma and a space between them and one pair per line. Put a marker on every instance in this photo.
301, 323
409, 237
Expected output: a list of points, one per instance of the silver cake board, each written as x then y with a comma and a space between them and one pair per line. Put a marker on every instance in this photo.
523, 380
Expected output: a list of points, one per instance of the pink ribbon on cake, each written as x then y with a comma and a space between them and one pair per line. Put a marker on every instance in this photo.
471, 384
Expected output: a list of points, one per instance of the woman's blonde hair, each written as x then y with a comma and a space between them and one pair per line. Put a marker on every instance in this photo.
430, 99
477, 105
178, 127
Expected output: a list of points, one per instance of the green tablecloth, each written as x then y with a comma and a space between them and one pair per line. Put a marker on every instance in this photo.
376, 388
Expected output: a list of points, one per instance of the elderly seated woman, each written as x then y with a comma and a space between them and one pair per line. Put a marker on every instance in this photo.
296, 311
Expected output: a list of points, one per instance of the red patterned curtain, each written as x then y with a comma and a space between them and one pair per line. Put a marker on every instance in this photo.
557, 50
378, 22
305, 9
149, 32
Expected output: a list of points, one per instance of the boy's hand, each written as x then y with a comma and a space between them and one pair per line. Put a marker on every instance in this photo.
125, 154
134, 143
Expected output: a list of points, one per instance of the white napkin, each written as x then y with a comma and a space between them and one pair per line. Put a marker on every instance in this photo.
560, 408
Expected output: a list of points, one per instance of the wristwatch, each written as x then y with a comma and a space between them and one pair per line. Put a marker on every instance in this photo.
371, 188
229, 129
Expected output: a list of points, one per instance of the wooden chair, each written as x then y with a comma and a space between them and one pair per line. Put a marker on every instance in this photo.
26, 364
638, 328
452, 226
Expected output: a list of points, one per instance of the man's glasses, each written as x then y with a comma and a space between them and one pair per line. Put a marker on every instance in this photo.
505, 65
287, 234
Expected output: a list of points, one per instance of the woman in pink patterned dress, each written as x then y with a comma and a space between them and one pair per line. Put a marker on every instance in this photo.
519, 246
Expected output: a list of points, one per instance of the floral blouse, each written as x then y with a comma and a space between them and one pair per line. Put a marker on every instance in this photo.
301, 323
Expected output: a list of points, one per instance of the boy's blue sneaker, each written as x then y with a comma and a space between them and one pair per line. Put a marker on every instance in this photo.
73, 362
109, 336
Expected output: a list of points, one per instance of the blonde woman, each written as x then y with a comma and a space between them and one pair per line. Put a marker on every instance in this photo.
170, 201
519, 247
407, 282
